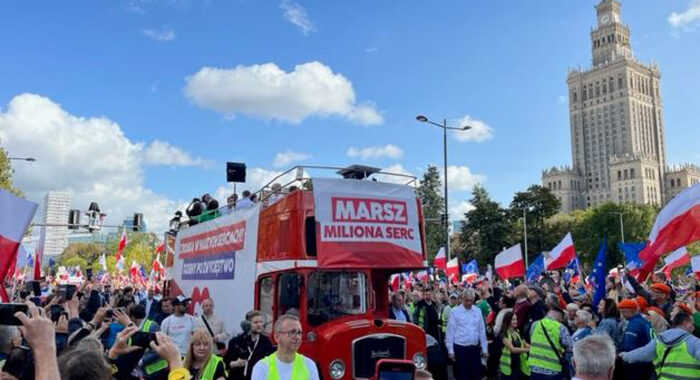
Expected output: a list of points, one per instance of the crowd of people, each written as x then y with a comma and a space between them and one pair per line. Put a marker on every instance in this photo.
101, 331
532, 330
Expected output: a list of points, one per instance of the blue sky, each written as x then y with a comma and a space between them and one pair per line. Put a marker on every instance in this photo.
138, 104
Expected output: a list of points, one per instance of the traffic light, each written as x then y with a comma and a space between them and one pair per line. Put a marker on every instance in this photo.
138, 222
73, 219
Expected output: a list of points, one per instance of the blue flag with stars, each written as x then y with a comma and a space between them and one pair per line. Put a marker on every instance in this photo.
535, 269
598, 274
631, 251
470, 267
571, 270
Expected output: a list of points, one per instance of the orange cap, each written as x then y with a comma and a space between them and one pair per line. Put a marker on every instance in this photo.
642, 303
628, 304
685, 308
663, 288
656, 310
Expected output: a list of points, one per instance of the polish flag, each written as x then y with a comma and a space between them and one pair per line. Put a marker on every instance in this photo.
422, 276
157, 267
39, 254
452, 270
676, 259
395, 282
122, 245
440, 261
677, 225
15, 217
160, 248
510, 264
695, 264
469, 277
560, 255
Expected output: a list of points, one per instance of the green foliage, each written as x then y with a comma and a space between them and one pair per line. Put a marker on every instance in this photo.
140, 248
604, 220
487, 229
6, 174
540, 204
429, 192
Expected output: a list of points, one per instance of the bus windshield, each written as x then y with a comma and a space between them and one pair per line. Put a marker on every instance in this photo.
335, 294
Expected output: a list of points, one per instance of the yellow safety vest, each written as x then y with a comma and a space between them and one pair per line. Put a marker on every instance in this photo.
679, 365
299, 370
541, 353
505, 362
444, 316
210, 368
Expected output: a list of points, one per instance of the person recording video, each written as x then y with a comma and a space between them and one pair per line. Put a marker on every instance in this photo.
248, 347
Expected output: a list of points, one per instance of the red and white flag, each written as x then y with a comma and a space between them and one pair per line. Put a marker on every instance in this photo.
15, 215
452, 270
160, 248
395, 283
677, 225
440, 261
157, 267
39, 254
510, 264
676, 259
560, 255
695, 264
120, 248
422, 276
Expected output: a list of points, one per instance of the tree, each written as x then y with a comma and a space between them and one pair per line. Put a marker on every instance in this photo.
429, 192
604, 220
84, 254
487, 229
6, 174
540, 204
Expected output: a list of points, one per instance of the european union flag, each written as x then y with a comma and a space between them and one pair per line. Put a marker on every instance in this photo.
535, 269
631, 251
571, 270
598, 274
470, 267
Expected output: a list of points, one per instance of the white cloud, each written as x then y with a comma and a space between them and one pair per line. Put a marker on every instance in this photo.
162, 153
296, 14
162, 35
395, 169
389, 150
479, 131
458, 210
89, 157
268, 92
688, 17
371, 50
283, 159
461, 178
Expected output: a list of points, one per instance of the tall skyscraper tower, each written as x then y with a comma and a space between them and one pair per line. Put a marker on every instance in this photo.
617, 132
56, 207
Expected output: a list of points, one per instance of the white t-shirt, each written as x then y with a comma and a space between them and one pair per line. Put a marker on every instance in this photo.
284, 370
179, 329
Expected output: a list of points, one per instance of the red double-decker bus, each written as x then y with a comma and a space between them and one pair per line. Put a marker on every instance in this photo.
322, 249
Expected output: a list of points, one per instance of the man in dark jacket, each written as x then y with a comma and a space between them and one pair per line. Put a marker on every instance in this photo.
247, 348
538, 309
659, 296
636, 335
426, 316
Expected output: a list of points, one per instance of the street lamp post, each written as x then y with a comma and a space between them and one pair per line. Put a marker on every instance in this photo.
525, 232
622, 226
444, 127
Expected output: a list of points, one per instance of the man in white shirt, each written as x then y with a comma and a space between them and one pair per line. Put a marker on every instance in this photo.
286, 360
594, 358
179, 326
466, 338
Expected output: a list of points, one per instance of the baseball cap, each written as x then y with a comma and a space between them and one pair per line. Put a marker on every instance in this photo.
181, 300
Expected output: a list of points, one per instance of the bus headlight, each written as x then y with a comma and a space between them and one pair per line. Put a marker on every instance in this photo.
419, 360
337, 369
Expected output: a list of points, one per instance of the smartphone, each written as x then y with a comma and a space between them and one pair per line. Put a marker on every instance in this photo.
23, 294
88, 273
35, 287
394, 369
143, 339
109, 313
56, 311
7, 313
66, 291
